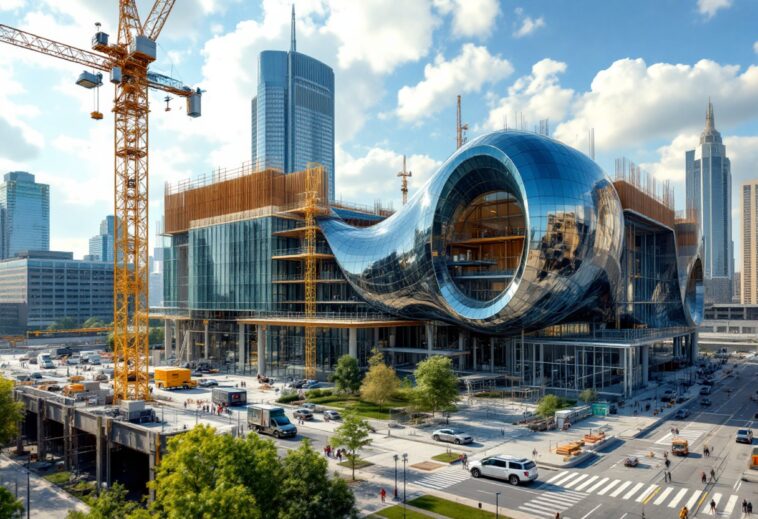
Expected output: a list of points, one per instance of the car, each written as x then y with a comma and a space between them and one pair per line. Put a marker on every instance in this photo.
302, 413
451, 435
744, 436
74, 360
631, 461
207, 382
681, 399
297, 384
330, 415
705, 401
26, 357
312, 407
705, 390
36, 375
682, 414
513, 470
311, 384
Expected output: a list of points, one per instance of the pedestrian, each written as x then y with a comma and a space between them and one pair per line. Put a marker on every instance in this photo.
557, 515
339, 455
703, 479
383, 494
185, 404
713, 507
668, 463
669, 477
465, 461
713, 475
749, 508
534, 453
744, 505
684, 513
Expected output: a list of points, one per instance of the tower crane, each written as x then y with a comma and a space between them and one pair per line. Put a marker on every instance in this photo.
405, 174
127, 62
460, 127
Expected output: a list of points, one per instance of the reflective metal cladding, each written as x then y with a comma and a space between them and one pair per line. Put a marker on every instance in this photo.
514, 231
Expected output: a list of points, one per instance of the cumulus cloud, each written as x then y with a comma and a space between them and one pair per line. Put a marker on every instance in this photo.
755, 47
11, 5
538, 95
526, 24
470, 17
468, 72
631, 102
709, 8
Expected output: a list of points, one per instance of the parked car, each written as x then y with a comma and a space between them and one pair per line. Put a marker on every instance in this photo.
681, 399
305, 414
311, 384
705, 390
705, 401
513, 470
207, 382
330, 415
312, 407
631, 461
297, 384
681, 414
452, 436
744, 436
57, 353
74, 360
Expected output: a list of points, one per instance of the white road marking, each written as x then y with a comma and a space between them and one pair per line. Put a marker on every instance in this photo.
730, 504
585, 516
577, 480
596, 485
568, 477
633, 491
677, 498
693, 499
610, 486
661, 498
621, 488
646, 493
537, 511
586, 483
559, 476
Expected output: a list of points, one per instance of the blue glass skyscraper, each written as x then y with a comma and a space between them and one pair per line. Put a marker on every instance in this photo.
24, 214
293, 112
709, 194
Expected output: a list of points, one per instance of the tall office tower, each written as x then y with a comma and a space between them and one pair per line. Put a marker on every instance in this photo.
293, 112
101, 246
24, 214
749, 214
709, 193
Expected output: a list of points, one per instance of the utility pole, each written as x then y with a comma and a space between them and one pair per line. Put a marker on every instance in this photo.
405, 174
460, 128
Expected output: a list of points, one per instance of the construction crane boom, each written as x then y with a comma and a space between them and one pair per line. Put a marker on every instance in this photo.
460, 127
405, 174
127, 61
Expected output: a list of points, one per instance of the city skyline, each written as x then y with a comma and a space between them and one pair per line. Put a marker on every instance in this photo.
399, 100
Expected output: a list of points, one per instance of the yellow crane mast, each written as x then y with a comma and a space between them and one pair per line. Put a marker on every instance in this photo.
312, 185
127, 61
460, 127
405, 174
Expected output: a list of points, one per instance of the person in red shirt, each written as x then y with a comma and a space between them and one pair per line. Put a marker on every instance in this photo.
383, 494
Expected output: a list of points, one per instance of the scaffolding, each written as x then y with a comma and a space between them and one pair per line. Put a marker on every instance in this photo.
312, 184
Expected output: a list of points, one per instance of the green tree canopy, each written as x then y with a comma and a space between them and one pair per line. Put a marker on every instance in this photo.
353, 435
10, 412
109, 504
156, 335
65, 323
436, 384
549, 404
381, 381
347, 375
588, 396
10, 507
93, 322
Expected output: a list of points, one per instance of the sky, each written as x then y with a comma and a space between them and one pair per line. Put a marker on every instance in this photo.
640, 73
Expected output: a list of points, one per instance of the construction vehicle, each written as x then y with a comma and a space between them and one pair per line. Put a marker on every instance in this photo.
169, 377
127, 62
680, 446
269, 419
72, 390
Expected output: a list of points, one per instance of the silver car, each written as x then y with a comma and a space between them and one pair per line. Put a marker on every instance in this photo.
452, 436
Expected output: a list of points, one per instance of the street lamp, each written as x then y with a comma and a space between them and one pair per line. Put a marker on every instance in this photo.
395, 457
497, 505
405, 460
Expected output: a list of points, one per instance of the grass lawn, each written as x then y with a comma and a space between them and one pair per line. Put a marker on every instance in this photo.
396, 512
362, 408
450, 508
359, 464
58, 478
447, 457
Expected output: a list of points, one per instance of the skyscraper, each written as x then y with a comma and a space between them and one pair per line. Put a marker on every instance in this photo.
749, 214
709, 193
101, 246
24, 214
293, 112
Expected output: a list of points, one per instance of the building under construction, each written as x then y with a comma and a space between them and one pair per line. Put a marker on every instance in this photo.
519, 258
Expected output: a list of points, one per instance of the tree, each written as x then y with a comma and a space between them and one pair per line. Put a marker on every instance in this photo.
65, 323
353, 434
155, 335
307, 491
10, 412
109, 504
588, 396
9, 506
381, 381
93, 322
347, 375
436, 384
548, 405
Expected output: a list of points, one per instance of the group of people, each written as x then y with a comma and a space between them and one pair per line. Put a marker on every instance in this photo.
209, 408
704, 478
337, 454
706, 451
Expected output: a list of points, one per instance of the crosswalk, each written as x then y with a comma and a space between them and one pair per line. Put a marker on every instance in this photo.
690, 434
550, 502
444, 479
568, 488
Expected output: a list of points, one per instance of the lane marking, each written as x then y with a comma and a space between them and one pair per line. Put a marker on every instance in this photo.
586, 483
647, 494
537, 511
633, 491
663, 496
693, 499
545, 503
556, 477
577, 480
610, 486
597, 485
590, 512
620, 488
730, 504
677, 498
568, 477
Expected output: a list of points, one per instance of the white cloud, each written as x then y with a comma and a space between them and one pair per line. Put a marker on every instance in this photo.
631, 102
537, 96
382, 34
527, 24
468, 72
755, 47
470, 17
709, 8
374, 176
11, 5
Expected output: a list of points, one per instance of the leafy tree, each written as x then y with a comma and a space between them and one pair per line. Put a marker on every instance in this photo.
308, 492
156, 335
381, 381
10, 412
109, 504
549, 404
93, 322
353, 434
9, 506
109, 342
65, 323
347, 375
588, 396
436, 384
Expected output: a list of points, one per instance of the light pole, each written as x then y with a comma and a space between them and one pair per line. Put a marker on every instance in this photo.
405, 460
497, 505
396, 457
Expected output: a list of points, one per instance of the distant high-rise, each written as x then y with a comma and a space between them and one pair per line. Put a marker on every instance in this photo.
749, 214
101, 246
24, 214
709, 193
293, 112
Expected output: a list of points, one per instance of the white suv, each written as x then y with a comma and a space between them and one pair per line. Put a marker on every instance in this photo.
514, 470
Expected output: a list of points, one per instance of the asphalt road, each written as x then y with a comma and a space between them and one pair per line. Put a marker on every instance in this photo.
605, 488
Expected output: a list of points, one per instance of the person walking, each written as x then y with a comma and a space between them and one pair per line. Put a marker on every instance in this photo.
749, 508
713, 475
667, 463
669, 473
383, 494
744, 506
713, 506
703, 478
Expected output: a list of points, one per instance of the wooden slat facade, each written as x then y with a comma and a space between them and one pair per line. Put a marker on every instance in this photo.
635, 199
